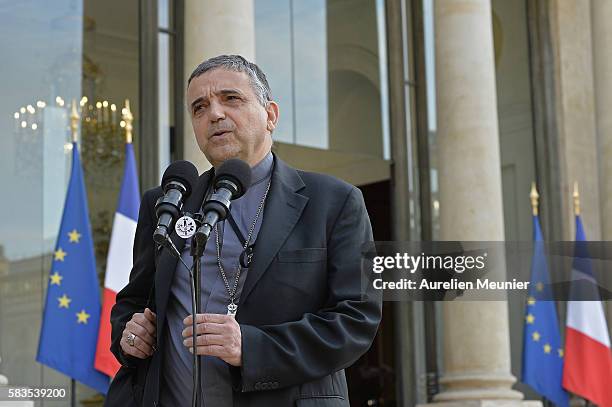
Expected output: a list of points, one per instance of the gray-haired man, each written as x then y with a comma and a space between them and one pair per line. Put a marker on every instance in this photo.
301, 316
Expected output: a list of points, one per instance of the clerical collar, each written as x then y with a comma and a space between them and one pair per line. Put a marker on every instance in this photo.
262, 169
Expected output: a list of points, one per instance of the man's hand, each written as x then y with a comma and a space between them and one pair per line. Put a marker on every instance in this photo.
142, 326
217, 335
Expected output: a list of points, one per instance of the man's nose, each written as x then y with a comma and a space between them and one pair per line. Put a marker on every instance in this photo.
216, 112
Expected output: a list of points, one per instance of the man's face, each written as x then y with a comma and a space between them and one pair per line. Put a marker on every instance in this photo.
228, 121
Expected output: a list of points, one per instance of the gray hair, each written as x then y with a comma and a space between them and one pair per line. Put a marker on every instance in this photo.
237, 63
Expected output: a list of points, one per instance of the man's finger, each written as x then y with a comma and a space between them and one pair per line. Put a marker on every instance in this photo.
203, 340
133, 350
205, 328
139, 331
141, 320
216, 318
150, 315
143, 346
212, 318
139, 343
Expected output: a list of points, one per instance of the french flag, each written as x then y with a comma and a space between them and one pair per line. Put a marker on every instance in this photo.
587, 370
119, 261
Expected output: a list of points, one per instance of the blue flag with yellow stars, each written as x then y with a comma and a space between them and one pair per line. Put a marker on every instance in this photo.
69, 331
542, 350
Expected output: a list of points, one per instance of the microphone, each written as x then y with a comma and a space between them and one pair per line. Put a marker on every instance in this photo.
177, 184
232, 180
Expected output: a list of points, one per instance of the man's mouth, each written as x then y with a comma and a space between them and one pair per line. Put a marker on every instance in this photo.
220, 133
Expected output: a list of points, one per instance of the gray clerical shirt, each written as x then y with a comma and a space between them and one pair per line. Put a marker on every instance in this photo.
176, 388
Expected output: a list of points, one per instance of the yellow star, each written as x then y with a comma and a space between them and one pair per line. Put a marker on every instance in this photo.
74, 236
547, 348
530, 318
536, 336
539, 286
82, 317
56, 279
60, 254
560, 352
64, 301
531, 301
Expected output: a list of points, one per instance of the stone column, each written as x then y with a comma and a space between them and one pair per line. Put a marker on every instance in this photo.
214, 27
575, 111
601, 14
476, 359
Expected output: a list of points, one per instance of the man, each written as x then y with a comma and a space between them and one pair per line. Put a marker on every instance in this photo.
301, 316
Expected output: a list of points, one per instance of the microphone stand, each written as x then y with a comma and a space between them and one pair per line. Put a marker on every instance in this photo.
215, 209
197, 250
194, 277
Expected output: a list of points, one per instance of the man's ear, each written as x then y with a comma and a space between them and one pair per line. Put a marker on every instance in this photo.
273, 112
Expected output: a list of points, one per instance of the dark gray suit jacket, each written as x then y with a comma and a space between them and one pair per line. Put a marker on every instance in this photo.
303, 314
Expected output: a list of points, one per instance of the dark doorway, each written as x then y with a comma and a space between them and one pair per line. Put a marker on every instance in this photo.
371, 380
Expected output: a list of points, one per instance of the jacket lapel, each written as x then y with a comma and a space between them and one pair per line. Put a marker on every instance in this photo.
283, 209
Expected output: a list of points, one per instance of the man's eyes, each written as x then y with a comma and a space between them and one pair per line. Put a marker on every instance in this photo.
228, 98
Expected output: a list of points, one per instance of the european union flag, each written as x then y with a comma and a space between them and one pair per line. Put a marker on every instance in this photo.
71, 317
542, 350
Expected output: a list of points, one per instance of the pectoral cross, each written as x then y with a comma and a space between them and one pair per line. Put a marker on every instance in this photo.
232, 309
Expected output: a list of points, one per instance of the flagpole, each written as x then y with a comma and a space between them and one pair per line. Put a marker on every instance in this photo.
127, 119
534, 196
74, 121
72, 393
74, 126
576, 196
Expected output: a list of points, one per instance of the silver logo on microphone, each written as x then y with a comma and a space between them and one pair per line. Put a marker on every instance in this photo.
185, 227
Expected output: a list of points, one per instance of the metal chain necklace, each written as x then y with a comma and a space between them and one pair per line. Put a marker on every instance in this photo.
232, 308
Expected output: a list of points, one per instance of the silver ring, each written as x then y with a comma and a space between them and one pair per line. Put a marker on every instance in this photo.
130, 339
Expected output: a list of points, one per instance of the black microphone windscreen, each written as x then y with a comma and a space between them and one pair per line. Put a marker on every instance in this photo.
236, 171
181, 171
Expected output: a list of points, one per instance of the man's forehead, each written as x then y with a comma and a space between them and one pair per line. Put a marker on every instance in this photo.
218, 80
